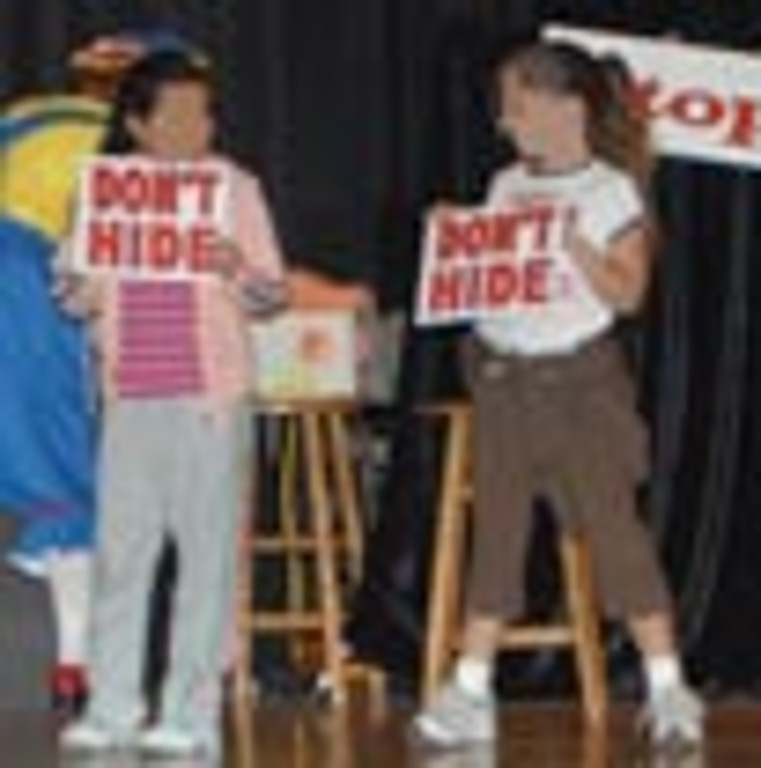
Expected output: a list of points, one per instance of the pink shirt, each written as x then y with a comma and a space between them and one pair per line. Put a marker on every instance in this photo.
158, 353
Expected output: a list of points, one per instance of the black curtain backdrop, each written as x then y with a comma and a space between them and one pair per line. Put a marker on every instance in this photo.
358, 115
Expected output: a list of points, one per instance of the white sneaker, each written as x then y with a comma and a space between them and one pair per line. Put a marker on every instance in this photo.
675, 716
469, 756
455, 718
88, 736
165, 740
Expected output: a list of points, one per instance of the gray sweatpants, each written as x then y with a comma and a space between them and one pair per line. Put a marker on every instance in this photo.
167, 467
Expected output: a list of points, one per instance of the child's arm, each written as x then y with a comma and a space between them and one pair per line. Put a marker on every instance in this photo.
619, 276
611, 241
77, 294
260, 294
251, 256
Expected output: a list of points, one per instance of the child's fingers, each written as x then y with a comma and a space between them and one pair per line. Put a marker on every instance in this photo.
444, 208
263, 297
577, 244
227, 258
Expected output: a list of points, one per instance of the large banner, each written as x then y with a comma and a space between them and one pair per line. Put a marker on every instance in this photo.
480, 261
151, 219
704, 104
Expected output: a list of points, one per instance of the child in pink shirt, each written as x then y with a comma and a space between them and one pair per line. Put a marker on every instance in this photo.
174, 367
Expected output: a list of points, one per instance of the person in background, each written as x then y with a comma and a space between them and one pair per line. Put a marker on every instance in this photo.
49, 415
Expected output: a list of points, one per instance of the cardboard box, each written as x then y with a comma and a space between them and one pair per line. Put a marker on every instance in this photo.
306, 354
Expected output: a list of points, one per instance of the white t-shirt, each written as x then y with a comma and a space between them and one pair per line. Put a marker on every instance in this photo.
604, 203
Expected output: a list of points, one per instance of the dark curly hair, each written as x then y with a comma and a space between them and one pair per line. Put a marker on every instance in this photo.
139, 89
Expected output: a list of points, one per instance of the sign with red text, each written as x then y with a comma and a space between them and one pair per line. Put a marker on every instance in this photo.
148, 218
703, 103
480, 262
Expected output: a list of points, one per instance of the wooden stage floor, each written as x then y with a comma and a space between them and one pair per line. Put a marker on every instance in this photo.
295, 736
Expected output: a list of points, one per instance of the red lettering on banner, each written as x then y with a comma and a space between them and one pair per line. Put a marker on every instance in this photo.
104, 187
644, 93
202, 248
444, 291
134, 190
699, 108
501, 284
746, 126
488, 286
155, 246
544, 218
495, 232
693, 107
104, 243
206, 183
461, 237
166, 193
161, 246
159, 190
536, 281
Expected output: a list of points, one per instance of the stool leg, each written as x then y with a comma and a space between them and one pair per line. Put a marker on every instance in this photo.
243, 627
296, 563
336, 730
349, 513
588, 645
350, 518
447, 559
241, 673
328, 585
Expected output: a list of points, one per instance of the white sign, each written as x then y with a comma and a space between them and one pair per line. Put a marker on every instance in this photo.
703, 103
479, 261
148, 218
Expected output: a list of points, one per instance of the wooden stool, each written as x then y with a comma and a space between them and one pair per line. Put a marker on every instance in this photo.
318, 538
580, 632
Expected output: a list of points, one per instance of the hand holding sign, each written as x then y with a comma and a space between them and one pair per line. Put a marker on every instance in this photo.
443, 210
77, 294
225, 258
617, 274
263, 296
260, 294
580, 248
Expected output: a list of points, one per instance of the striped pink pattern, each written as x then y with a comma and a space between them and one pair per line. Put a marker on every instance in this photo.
158, 348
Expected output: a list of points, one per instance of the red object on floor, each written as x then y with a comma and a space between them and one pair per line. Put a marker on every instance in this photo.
68, 688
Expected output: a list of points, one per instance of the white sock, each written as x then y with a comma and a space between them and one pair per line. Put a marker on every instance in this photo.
474, 676
69, 575
661, 672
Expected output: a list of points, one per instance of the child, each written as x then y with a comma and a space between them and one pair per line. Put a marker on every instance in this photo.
174, 361
554, 411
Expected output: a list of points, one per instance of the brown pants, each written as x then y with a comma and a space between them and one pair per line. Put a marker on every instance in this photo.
564, 427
